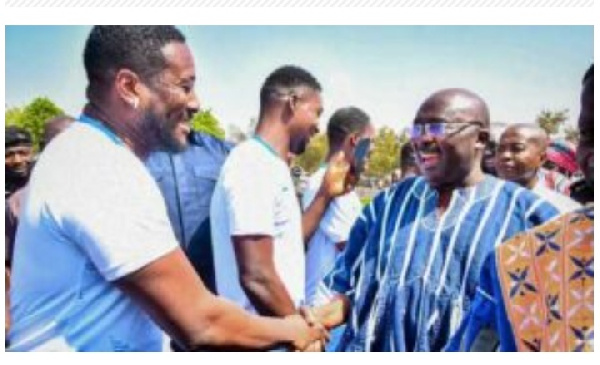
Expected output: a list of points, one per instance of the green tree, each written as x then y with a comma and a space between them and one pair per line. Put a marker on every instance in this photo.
12, 116
35, 115
551, 121
385, 153
572, 134
315, 153
206, 122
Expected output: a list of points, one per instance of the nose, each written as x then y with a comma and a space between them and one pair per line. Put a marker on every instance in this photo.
193, 104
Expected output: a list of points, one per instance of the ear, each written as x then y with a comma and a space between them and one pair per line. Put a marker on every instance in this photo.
483, 137
353, 139
127, 85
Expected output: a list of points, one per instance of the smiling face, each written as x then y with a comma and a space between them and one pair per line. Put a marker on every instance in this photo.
306, 108
170, 101
449, 159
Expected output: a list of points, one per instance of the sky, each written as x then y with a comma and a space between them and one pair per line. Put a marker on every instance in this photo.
385, 70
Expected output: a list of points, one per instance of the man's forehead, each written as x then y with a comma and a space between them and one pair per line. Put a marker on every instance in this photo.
180, 61
451, 108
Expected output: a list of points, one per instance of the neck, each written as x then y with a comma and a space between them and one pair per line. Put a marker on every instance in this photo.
130, 133
473, 178
273, 133
532, 182
332, 152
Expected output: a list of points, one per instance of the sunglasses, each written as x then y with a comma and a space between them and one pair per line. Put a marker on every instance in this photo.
439, 129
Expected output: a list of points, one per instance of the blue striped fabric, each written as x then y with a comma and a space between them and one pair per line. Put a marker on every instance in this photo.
410, 274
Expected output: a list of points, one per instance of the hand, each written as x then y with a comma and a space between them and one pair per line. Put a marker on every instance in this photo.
309, 337
335, 182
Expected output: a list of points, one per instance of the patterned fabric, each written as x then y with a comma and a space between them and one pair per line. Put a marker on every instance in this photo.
554, 180
547, 279
410, 274
537, 290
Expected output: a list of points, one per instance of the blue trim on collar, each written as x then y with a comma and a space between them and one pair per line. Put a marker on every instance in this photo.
264, 143
101, 127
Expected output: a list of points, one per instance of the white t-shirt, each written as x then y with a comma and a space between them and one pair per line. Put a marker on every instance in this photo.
92, 215
255, 196
560, 201
333, 228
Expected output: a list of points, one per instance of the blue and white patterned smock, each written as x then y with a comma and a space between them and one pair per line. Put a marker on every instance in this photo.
410, 275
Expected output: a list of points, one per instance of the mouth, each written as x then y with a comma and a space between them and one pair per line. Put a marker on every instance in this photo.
429, 155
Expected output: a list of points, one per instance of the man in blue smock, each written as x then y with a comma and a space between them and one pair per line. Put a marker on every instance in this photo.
413, 258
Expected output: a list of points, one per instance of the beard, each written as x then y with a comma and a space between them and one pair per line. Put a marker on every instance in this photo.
161, 133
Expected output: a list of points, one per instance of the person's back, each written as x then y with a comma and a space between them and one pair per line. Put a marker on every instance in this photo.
72, 233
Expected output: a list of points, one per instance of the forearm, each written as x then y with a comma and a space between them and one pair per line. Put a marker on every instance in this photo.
268, 294
333, 313
312, 216
227, 326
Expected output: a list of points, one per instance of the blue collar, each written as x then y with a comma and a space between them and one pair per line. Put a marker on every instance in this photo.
101, 127
264, 143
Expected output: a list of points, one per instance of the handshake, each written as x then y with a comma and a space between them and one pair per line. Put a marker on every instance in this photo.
310, 334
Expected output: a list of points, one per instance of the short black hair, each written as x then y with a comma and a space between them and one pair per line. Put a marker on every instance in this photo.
283, 81
344, 122
138, 48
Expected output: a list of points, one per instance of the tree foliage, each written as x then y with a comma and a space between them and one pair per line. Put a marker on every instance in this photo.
33, 117
385, 153
551, 121
204, 121
315, 153
572, 134
12, 116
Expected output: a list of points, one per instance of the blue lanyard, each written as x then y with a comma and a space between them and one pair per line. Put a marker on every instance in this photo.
101, 127
265, 144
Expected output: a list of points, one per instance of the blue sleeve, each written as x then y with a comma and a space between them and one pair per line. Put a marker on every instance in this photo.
541, 213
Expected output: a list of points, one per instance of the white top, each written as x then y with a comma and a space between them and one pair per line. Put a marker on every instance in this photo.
334, 228
255, 196
92, 215
560, 201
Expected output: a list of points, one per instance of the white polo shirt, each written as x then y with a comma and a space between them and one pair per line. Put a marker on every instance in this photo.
255, 196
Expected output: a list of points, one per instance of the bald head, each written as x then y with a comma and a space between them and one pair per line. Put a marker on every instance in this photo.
457, 105
531, 133
53, 127
521, 153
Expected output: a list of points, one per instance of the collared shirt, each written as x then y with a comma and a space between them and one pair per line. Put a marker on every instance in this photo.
187, 181
410, 274
537, 290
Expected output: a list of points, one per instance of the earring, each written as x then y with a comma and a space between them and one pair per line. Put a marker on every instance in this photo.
135, 102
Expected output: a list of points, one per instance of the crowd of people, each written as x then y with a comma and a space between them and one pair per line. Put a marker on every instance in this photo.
130, 228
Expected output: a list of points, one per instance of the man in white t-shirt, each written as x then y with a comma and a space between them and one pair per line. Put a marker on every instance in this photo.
256, 222
96, 265
520, 156
346, 128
